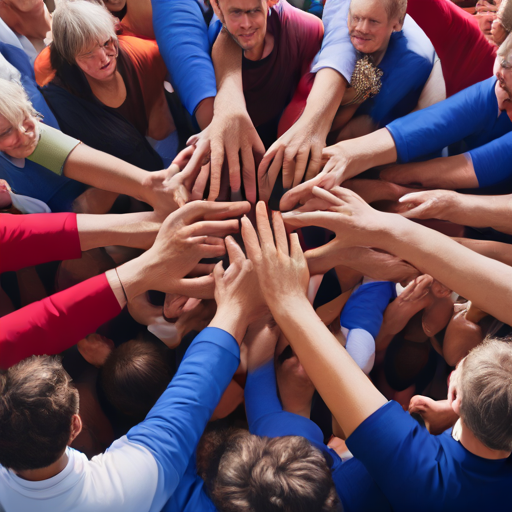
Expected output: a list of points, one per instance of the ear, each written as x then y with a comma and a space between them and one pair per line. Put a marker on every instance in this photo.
76, 428
398, 25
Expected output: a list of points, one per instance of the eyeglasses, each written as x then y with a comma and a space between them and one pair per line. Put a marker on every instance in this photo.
109, 48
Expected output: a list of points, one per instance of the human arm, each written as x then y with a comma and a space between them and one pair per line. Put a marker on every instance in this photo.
182, 36
231, 133
333, 65
408, 138
464, 209
429, 251
491, 249
173, 427
283, 274
61, 320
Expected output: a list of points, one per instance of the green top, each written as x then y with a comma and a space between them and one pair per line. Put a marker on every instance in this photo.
53, 148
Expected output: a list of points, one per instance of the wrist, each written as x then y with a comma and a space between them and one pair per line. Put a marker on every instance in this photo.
233, 321
135, 276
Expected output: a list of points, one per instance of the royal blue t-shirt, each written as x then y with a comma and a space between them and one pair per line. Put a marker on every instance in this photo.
470, 116
424, 473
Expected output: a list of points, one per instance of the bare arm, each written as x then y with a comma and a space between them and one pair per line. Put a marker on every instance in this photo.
231, 134
164, 190
301, 146
130, 230
448, 173
283, 277
344, 161
484, 281
464, 209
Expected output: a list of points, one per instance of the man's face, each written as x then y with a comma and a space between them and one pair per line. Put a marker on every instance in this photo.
246, 21
503, 72
369, 26
18, 142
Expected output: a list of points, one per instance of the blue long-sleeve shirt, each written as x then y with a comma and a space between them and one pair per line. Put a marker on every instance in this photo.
356, 489
471, 116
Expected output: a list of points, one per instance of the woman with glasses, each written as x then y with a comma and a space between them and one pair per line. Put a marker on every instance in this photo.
109, 92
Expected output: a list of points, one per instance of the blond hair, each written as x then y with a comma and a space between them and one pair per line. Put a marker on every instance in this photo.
15, 105
486, 393
79, 25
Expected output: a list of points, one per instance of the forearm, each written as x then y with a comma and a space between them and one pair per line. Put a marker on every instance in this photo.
106, 172
496, 250
231, 321
448, 173
481, 212
325, 98
348, 393
227, 60
482, 280
363, 153
130, 230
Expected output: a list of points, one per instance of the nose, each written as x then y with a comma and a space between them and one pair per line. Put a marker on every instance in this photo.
245, 22
362, 26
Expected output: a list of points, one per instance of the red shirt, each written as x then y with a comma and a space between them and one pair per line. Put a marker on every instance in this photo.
467, 57
270, 83
57, 322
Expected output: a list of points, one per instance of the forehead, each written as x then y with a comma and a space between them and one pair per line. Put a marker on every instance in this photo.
242, 5
368, 8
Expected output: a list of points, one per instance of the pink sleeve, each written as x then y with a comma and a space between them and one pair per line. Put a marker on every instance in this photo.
57, 322
27, 240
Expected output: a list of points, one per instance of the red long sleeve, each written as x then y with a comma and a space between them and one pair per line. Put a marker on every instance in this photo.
27, 240
467, 57
57, 322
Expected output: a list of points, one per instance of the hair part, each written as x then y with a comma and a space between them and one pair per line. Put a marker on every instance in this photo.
79, 25
486, 393
272, 475
15, 104
37, 404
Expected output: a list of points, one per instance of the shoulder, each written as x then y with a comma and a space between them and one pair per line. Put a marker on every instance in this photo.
416, 42
293, 18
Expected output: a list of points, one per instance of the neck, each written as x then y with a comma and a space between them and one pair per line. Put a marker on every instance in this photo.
36, 475
111, 85
476, 447
263, 50
379, 54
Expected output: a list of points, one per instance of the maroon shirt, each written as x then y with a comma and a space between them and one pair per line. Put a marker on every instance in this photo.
269, 83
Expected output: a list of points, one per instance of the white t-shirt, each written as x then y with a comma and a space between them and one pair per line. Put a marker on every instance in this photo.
123, 479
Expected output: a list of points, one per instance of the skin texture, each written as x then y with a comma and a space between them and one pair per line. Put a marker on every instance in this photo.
370, 28
19, 142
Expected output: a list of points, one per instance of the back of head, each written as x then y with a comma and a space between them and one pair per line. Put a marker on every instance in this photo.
283, 474
486, 393
76, 27
134, 376
505, 49
37, 404
15, 105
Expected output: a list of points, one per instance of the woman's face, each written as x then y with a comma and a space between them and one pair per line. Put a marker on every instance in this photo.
115, 5
19, 142
99, 61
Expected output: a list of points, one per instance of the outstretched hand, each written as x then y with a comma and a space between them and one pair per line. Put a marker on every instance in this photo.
188, 235
430, 204
231, 137
342, 211
281, 267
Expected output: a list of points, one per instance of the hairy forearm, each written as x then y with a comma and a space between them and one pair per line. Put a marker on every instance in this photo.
348, 393
130, 230
106, 172
484, 281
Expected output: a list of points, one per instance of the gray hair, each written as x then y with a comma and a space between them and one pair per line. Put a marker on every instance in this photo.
15, 105
76, 26
485, 384
505, 15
